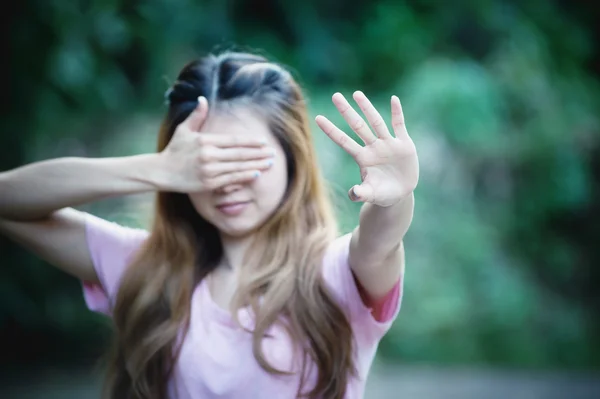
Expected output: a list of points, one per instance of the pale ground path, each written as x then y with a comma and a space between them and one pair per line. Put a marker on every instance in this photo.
398, 382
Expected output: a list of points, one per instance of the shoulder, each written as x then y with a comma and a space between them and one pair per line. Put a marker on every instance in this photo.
105, 237
111, 247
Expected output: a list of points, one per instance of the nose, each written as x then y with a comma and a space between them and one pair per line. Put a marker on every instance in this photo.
228, 189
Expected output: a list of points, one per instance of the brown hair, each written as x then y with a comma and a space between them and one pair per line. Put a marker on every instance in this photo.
281, 279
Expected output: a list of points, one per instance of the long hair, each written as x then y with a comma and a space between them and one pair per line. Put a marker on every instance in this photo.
281, 278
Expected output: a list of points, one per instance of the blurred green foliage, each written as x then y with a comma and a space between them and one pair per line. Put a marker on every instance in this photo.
500, 97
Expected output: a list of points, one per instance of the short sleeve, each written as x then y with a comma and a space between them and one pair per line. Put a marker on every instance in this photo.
111, 247
340, 279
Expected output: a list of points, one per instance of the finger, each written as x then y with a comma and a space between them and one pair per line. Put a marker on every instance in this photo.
220, 168
232, 178
232, 140
230, 188
360, 193
374, 118
195, 120
356, 123
212, 154
338, 136
398, 118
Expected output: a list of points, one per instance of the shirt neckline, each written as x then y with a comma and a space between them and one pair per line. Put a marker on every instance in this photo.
221, 315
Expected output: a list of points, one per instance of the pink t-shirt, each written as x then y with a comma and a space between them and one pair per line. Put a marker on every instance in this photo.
216, 359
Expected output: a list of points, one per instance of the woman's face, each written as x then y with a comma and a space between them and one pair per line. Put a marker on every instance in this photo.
238, 209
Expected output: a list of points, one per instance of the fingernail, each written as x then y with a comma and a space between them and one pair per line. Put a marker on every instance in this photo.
199, 104
256, 174
269, 163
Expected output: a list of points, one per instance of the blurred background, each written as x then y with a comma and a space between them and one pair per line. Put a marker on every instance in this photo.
501, 97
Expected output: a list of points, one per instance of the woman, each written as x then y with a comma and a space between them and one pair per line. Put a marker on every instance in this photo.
241, 289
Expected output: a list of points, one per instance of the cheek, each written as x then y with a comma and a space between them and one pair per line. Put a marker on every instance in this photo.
272, 184
201, 203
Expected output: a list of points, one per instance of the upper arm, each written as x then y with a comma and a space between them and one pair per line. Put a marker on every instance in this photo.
376, 279
60, 239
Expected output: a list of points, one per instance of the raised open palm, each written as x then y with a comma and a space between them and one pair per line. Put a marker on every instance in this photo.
388, 163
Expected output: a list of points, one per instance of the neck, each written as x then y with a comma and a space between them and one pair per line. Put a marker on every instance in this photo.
234, 249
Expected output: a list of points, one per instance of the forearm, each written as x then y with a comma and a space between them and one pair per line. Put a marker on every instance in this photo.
381, 229
36, 190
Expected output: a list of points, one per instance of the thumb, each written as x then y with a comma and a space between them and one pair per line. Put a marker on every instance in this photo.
195, 120
360, 193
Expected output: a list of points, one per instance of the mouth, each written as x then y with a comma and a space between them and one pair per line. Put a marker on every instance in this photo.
233, 208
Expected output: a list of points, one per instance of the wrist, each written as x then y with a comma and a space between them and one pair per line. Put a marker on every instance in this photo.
396, 202
150, 170
405, 199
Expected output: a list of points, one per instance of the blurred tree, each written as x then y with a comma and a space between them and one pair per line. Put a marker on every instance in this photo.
502, 98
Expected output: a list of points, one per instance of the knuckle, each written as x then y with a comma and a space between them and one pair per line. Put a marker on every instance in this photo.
377, 122
210, 185
205, 171
238, 154
241, 175
358, 124
236, 175
204, 156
